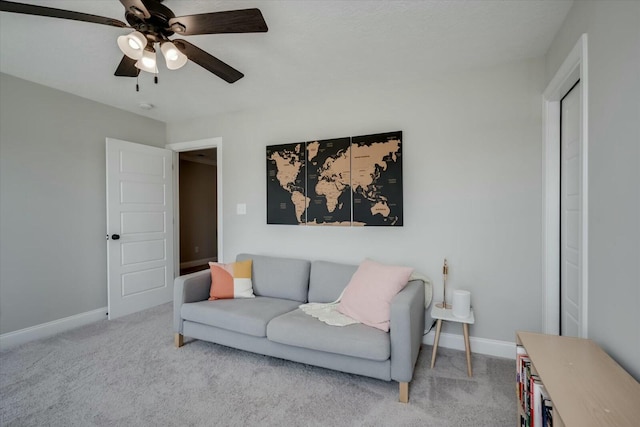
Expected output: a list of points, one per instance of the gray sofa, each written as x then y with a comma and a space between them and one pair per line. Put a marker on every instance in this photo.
273, 325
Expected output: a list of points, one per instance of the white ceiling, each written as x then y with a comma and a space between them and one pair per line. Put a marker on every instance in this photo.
311, 49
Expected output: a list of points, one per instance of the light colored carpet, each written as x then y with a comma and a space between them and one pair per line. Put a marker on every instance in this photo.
126, 372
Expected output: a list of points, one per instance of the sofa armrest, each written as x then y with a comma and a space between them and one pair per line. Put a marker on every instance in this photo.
406, 329
189, 288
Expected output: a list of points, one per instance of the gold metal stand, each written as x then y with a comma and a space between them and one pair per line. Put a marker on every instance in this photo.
445, 273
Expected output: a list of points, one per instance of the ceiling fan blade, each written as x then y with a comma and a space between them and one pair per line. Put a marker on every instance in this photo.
136, 7
30, 9
127, 68
233, 21
208, 61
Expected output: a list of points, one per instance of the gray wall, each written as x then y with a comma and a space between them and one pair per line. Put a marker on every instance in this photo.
198, 211
613, 31
53, 201
472, 183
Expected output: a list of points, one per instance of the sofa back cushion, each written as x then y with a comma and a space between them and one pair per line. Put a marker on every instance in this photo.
328, 280
279, 277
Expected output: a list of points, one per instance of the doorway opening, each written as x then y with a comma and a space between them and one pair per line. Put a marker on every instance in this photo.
198, 209
196, 260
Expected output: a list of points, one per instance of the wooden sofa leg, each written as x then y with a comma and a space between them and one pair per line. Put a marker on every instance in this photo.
178, 340
404, 392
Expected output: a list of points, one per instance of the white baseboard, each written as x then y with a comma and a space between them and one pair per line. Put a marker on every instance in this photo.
478, 345
45, 330
197, 262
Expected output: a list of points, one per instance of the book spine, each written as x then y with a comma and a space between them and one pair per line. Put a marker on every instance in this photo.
537, 408
548, 413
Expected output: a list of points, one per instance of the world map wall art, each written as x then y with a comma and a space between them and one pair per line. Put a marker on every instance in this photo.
344, 181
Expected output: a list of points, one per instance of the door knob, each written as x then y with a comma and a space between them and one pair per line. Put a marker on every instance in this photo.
115, 236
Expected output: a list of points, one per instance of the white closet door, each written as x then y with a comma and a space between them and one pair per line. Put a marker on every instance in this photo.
571, 215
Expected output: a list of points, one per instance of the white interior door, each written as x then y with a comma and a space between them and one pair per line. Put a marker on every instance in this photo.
570, 215
139, 227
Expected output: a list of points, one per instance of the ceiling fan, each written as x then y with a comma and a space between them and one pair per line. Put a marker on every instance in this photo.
153, 24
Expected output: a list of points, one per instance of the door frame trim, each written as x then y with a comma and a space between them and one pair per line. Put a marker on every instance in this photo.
179, 147
573, 68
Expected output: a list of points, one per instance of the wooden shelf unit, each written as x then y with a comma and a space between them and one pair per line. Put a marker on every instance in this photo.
587, 387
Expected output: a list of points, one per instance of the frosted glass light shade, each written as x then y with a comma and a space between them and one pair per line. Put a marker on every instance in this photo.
173, 57
461, 306
148, 62
132, 44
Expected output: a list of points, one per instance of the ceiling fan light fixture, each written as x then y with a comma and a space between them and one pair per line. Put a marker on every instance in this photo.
148, 62
133, 44
173, 57
151, 22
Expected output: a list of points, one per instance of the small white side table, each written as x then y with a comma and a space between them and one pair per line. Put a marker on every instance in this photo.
447, 314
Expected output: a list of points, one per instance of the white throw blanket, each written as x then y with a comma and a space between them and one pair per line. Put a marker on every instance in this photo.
329, 314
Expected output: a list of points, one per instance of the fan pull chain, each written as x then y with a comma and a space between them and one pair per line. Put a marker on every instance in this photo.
137, 86
155, 79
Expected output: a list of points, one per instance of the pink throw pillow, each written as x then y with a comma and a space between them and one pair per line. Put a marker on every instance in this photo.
367, 297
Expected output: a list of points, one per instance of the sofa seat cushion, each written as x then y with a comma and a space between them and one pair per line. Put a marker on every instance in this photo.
301, 330
248, 316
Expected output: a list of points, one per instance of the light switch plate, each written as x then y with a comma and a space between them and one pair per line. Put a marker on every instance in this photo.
241, 208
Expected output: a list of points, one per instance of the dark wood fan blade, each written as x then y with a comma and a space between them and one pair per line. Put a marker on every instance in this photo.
30, 9
208, 61
136, 7
127, 68
233, 21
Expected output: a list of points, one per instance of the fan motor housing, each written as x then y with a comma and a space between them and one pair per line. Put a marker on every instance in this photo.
156, 28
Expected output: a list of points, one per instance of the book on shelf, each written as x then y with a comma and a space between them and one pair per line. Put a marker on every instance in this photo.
526, 385
548, 413
536, 408
521, 358
545, 408
520, 352
536, 397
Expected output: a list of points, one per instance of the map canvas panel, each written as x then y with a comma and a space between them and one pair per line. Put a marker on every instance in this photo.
376, 179
286, 186
340, 181
329, 182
